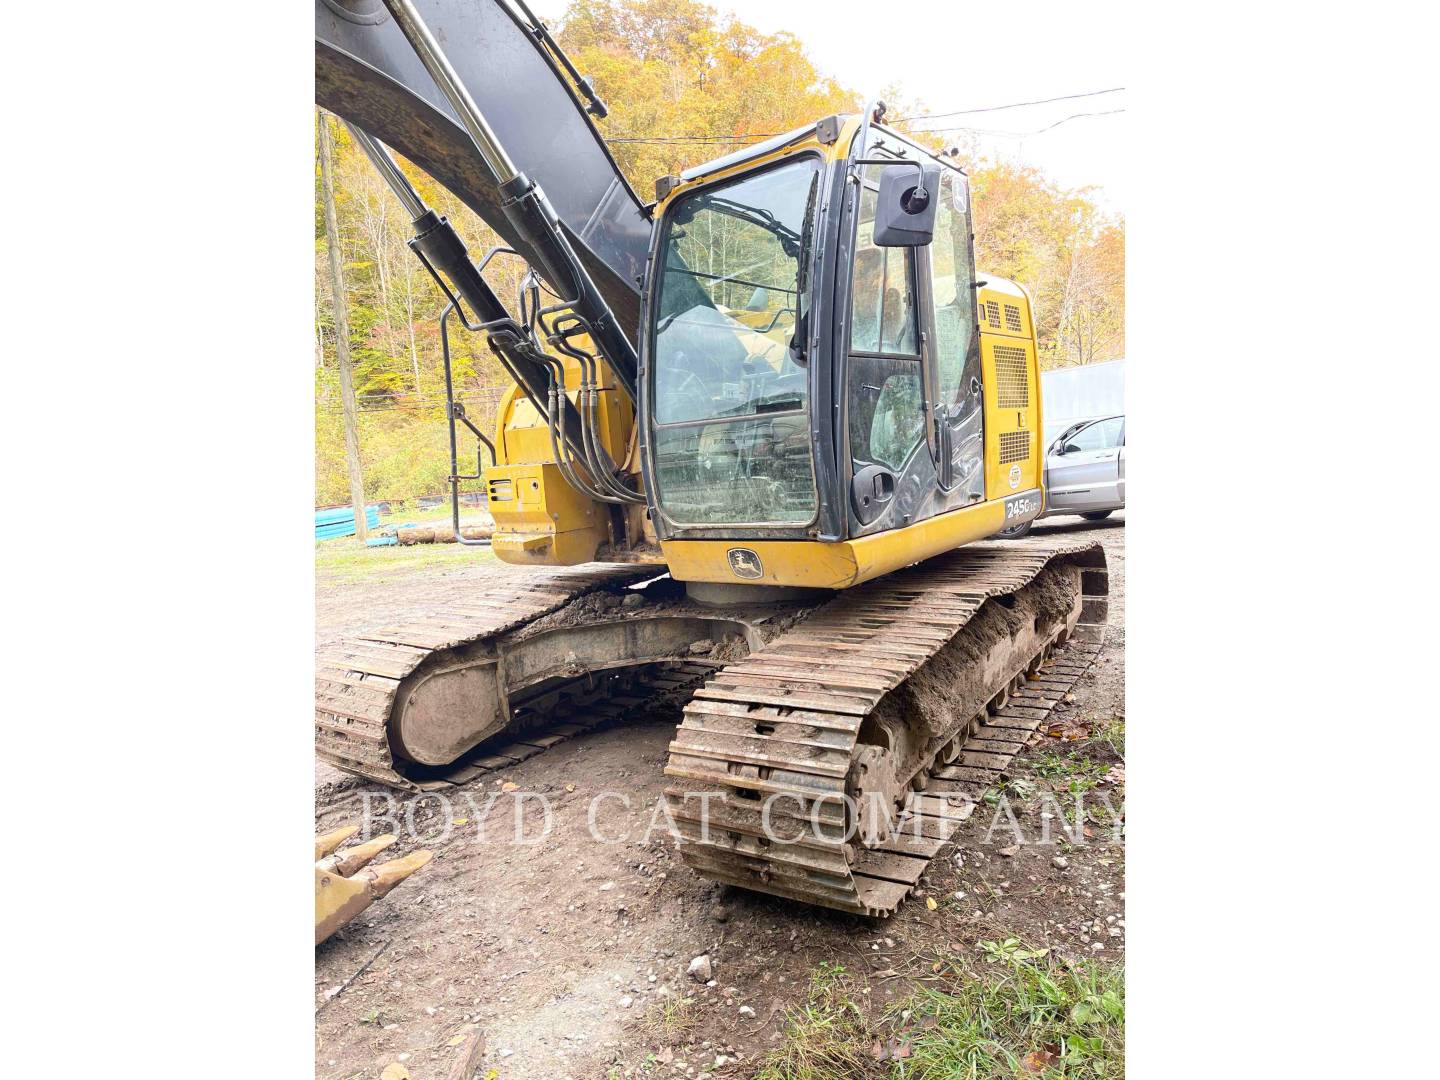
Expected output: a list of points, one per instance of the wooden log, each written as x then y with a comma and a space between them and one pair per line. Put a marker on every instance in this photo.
467, 1058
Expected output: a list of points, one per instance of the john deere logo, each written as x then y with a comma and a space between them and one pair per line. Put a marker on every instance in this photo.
745, 563
1014, 476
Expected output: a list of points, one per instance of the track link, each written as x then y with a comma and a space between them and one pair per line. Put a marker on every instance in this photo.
786, 721
357, 681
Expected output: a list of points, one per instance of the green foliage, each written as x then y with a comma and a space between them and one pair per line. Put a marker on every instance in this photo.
1020, 1013
826, 1038
1024, 1013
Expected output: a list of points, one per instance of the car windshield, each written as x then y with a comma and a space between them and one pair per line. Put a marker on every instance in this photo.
731, 438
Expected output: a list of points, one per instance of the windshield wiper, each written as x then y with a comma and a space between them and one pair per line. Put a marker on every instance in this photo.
782, 402
756, 215
802, 278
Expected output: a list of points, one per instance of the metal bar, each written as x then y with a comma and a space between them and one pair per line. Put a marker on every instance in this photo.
389, 171
407, 17
450, 419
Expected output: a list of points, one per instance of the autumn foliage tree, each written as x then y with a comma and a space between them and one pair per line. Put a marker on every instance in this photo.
684, 85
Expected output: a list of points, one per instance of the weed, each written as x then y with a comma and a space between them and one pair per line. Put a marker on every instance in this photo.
348, 559
675, 1019
1077, 772
1113, 735
1022, 1012
826, 1038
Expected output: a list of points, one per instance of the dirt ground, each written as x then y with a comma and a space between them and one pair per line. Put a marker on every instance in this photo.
571, 952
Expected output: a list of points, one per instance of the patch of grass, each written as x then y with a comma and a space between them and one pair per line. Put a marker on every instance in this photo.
1019, 1012
826, 1038
675, 1019
1014, 1013
1076, 772
1113, 735
469, 515
347, 559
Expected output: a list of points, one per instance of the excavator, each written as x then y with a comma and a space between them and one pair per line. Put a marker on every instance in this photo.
759, 436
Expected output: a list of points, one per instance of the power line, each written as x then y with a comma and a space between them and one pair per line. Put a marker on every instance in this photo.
1013, 105
694, 140
1017, 134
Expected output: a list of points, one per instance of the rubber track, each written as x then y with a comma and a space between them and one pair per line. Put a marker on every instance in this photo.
356, 681
811, 688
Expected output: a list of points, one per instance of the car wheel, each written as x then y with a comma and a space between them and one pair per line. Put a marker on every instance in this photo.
1015, 532
1098, 515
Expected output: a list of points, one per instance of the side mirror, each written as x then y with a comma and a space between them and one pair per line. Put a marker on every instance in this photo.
1062, 448
905, 209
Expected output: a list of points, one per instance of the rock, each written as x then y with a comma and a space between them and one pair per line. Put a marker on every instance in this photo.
720, 912
747, 1012
698, 648
626, 1001
1059, 862
700, 968
721, 1059
1009, 852
633, 601
607, 886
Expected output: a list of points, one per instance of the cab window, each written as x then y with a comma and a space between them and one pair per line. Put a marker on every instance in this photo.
882, 312
886, 396
1101, 435
956, 351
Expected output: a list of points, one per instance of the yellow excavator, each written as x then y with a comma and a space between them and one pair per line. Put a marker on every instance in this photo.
769, 419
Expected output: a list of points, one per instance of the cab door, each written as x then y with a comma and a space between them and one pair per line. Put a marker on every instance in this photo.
954, 348
891, 468
1084, 471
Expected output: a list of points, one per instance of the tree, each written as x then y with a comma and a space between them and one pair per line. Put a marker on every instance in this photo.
342, 330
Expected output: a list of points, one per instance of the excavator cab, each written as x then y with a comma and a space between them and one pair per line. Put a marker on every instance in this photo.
815, 373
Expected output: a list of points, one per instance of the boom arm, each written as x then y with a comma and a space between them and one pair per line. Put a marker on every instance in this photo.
368, 72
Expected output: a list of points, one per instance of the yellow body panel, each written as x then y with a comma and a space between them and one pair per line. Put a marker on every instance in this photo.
834, 565
540, 518
1013, 455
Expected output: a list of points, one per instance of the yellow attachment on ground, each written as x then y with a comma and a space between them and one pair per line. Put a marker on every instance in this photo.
346, 886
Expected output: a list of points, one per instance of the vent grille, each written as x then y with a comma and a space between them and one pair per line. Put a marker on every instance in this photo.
992, 313
1012, 317
1012, 387
1014, 446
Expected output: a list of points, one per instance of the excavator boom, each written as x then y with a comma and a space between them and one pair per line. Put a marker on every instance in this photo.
369, 73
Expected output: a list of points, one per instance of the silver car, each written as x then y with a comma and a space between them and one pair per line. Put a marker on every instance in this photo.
1084, 472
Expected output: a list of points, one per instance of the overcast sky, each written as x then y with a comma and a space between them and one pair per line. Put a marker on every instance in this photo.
963, 56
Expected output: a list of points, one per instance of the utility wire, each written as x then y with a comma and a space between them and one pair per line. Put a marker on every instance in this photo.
1016, 134
756, 136
1014, 105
